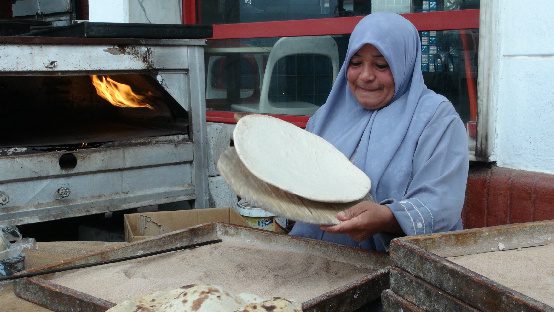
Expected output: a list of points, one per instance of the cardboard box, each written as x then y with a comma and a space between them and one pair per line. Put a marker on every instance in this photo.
139, 226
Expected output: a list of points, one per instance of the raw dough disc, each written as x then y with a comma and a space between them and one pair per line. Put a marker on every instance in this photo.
297, 161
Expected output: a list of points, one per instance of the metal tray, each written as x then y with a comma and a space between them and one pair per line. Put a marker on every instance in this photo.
349, 297
425, 257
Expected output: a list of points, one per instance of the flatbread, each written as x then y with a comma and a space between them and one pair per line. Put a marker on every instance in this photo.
203, 298
297, 161
198, 298
273, 199
274, 305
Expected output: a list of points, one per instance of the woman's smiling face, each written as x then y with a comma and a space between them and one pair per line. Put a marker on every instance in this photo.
370, 78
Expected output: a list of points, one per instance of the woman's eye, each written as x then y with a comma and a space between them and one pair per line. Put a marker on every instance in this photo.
382, 66
355, 63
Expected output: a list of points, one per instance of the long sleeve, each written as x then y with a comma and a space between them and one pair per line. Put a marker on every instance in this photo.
434, 198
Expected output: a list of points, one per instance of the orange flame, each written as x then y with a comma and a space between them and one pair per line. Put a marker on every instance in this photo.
118, 94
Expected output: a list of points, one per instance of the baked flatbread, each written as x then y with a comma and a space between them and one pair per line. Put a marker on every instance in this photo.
197, 298
297, 161
273, 199
274, 305
202, 298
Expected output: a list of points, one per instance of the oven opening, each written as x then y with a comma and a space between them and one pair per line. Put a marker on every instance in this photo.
47, 113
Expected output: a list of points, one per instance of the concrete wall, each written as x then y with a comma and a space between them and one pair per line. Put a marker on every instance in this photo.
516, 83
155, 11
219, 138
113, 11
135, 11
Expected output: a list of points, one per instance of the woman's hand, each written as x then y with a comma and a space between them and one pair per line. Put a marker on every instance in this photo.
363, 220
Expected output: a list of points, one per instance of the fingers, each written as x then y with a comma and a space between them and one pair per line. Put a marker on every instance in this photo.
353, 224
359, 221
357, 235
344, 216
352, 212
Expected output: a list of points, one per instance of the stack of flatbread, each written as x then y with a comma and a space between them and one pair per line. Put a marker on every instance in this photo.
204, 298
290, 171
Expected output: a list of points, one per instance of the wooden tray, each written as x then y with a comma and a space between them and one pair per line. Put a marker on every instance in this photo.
393, 302
425, 257
423, 294
349, 296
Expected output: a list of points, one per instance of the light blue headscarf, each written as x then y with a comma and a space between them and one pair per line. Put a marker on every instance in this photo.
395, 145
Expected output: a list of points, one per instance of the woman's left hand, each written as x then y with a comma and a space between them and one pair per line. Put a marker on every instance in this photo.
363, 220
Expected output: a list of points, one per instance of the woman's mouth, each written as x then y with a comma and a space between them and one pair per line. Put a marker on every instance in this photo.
368, 89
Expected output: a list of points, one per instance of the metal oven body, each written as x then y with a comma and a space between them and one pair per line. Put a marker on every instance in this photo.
85, 167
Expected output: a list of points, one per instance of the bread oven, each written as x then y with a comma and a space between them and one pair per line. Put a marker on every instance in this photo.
91, 125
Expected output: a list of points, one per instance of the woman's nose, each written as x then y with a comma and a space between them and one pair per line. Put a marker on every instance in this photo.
367, 73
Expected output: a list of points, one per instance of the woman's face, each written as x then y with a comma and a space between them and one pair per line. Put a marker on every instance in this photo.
370, 78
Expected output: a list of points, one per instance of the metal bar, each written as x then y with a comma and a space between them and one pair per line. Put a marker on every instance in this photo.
229, 118
43, 40
88, 265
169, 150
63, 208
27, 58
199, 132
440, 20
470, 81
189, 12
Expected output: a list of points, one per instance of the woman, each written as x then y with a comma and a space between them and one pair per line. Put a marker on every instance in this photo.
409, 140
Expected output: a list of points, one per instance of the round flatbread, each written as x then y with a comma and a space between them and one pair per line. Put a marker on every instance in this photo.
275, 305
297, 161
203, 298
273, 199
197, 298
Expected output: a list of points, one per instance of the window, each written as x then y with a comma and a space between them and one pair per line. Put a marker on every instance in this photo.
247, 31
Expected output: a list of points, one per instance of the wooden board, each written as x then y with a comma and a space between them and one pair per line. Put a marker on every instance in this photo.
395, 303
423, 294
426, 258
527, 270
45, 253
344, 296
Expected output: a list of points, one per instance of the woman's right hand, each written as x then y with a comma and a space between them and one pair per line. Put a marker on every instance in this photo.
364, 220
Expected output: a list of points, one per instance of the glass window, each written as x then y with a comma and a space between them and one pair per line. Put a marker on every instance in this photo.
242, 75
299, 83
449, 66
288, 75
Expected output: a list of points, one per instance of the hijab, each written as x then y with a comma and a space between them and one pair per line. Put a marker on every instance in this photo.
385, 138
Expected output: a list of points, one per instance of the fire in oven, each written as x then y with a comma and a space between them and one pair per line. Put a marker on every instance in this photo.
75, 113
90, 126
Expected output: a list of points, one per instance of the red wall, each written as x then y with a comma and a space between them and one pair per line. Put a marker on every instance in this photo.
496, 196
